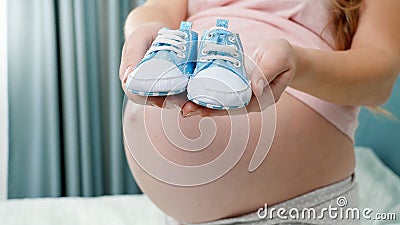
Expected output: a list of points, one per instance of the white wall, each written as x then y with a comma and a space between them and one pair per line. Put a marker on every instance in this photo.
3, 101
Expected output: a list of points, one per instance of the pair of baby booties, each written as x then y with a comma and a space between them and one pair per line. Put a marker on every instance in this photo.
210, 70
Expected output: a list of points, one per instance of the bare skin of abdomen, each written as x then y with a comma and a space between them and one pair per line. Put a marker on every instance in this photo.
307, 153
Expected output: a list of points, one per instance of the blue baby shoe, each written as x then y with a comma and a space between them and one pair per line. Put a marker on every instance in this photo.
167, 65
220, 80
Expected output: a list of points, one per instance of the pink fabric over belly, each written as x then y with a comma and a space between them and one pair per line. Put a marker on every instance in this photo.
301, 22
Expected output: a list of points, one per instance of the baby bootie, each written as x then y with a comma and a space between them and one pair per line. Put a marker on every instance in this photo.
220, 80
167, 65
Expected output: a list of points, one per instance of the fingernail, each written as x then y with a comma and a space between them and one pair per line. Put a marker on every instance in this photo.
260, 86
195, 113
186, 114
127, 73
154, 104
192, 113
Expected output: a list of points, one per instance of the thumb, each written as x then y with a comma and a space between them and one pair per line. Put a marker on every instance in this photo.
271, 61
135, 47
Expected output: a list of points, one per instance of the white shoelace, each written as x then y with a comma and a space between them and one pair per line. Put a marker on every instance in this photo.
211, 47
175, 40
230, 49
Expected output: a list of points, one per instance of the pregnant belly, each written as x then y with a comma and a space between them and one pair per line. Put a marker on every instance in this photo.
307, 152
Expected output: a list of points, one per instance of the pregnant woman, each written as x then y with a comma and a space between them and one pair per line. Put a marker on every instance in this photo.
322, 59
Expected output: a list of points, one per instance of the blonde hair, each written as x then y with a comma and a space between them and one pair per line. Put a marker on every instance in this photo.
344, 17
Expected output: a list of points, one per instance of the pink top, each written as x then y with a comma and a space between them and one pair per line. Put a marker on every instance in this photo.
301, 22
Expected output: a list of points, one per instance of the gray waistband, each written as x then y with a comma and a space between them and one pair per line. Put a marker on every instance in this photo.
345, 191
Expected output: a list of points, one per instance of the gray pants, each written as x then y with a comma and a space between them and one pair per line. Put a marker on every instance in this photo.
333, 204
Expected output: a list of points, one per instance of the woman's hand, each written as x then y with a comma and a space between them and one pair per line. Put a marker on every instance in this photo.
273, 64
277, 64
135, 47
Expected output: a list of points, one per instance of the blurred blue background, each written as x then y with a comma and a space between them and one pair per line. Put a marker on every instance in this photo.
65, 101
383, 134
65, 98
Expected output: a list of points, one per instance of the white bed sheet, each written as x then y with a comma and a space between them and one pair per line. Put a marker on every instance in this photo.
379, 190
